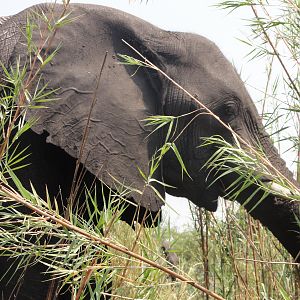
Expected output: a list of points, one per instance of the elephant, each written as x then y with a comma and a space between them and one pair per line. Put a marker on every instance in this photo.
118, 145
170, 256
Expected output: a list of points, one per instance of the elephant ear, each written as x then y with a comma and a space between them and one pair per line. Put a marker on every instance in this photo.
9, 35
3, 19
109, 137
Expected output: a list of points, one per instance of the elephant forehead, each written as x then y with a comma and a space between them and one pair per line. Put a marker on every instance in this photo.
206, 69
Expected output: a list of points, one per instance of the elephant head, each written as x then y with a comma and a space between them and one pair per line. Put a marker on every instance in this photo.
118, 145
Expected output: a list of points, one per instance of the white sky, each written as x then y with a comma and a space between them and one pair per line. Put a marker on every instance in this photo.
197, 16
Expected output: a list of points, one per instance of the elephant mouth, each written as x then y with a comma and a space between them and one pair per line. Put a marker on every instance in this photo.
209, 204
208, 196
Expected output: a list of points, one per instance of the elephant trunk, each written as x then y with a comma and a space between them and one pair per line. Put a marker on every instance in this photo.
280, 216
274, 157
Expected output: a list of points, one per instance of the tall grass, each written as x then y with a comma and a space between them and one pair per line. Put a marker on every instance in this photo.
227, 257
84, 255
239, 258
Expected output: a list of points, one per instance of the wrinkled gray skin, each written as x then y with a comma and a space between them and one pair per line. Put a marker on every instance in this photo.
117, 141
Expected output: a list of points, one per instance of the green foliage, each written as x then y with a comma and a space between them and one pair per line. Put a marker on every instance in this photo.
230, 254
251, 168
235, 256
79, 252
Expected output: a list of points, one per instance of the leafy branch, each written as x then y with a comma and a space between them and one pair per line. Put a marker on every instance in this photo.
90, 238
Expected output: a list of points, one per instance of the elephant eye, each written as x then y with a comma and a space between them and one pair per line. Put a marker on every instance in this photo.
230, 111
